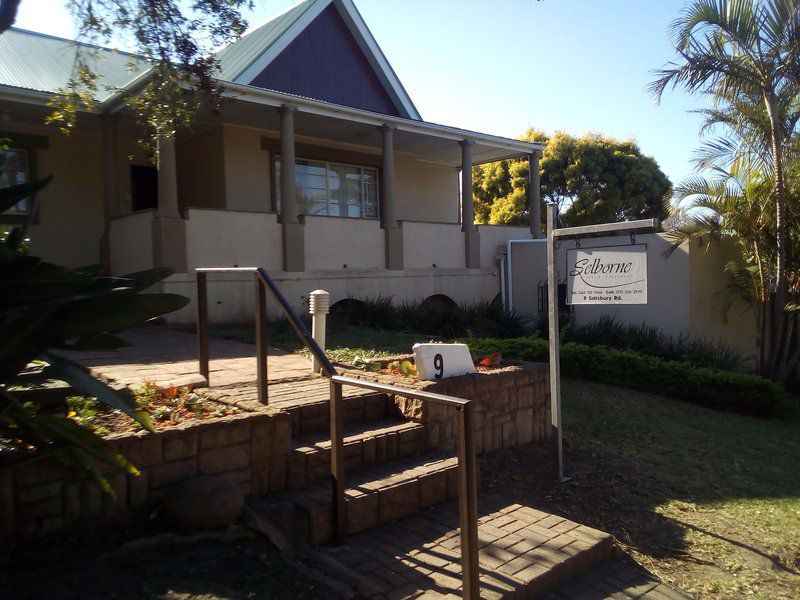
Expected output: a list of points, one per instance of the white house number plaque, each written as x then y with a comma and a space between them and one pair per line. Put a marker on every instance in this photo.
438, 361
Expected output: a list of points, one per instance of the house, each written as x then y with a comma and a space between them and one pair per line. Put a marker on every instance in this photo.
378, 201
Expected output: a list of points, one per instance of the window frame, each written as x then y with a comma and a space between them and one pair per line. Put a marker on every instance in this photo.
313, 152
327, 166
31, 144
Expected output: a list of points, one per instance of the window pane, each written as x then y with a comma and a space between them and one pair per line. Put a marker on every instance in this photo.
14, 171
333, 189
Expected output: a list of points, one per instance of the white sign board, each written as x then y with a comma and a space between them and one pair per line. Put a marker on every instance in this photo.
607, 275
438, 361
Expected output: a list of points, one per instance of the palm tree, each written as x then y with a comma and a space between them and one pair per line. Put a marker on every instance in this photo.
732, 205
735, 50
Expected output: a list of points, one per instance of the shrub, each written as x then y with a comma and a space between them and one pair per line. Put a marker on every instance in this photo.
738, 392
483, 319
649, 339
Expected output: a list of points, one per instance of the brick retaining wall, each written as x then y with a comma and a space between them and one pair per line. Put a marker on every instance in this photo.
512, 405
250, 449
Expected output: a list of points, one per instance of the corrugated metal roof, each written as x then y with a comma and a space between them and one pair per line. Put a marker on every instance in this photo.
35, 61
236, 57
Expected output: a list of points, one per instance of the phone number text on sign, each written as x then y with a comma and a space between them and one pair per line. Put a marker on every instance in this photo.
607, 275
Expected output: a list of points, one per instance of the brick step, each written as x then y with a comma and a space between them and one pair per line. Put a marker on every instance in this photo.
314, 416
374, 495
524, 553
366, 444
306, 400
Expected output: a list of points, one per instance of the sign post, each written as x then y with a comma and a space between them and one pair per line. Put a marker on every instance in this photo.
604, 275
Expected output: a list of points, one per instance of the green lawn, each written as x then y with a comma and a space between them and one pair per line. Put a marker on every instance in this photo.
707, 500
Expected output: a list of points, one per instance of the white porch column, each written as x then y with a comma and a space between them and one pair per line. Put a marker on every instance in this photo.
167, 178
293, 230
535, 194
169, 229
392, 230
472, 242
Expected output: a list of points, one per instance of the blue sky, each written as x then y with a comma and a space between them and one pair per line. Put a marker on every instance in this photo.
500, 66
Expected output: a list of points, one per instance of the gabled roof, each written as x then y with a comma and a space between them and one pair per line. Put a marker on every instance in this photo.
242, 61
44, 63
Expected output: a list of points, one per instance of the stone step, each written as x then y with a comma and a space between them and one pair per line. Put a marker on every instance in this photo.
366, 444
524, 553
374, 495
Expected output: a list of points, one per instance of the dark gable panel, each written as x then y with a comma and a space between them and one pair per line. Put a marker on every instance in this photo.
325, 63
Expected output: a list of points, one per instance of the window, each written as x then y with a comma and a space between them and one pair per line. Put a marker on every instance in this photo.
15, 169
144, 188
333, 189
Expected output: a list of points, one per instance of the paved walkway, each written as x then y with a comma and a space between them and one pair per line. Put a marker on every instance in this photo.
169, 357
617, 578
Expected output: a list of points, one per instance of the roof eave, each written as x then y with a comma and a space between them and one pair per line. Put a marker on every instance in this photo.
248, 93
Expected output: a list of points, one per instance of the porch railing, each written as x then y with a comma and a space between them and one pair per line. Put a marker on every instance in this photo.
465, 448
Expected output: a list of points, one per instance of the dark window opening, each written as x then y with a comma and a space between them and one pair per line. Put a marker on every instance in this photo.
144, 188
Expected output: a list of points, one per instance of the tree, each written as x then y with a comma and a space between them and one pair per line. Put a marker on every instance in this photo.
591, 179
174, 39
737, 52
733, 205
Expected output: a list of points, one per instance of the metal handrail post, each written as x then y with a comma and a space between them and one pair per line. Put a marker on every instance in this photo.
468, 503
202, 326
261, 340
336, 410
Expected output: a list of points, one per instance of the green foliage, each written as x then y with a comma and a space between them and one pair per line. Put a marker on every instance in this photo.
651, 340
430, 318
738, 392
43, 307
174, 40
592, 179
742, 56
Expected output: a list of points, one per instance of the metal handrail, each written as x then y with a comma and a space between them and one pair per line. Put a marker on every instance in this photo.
466, 450
262, 282
467, 469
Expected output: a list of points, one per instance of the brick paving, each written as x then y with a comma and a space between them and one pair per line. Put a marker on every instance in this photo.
524, 552
169, 357
617, 578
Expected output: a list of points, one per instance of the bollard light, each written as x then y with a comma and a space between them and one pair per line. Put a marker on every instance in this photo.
319, 303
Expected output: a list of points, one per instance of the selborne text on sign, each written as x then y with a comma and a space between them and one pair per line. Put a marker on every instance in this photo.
607, 275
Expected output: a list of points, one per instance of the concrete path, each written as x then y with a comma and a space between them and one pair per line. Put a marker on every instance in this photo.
169, 357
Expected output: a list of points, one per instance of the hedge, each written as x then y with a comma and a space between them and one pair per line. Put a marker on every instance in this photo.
725, 390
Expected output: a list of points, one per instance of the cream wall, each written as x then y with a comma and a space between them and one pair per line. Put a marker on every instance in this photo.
247, 170
427, 244
230, 296
425, 191
685, 292
668, 304
71, 208
707, 286
344, 243
222, 238
131, 242
495, 237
